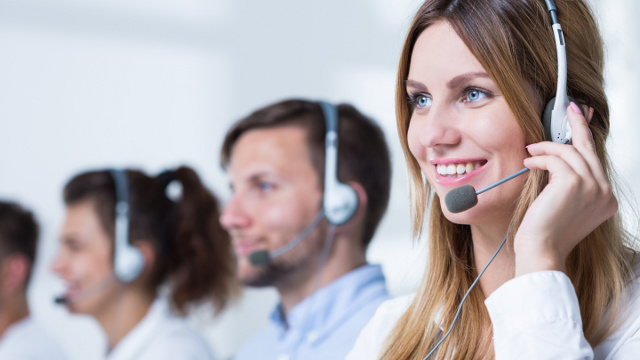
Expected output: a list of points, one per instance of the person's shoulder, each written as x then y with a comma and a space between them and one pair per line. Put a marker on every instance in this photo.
259, 345
627, 322
17, 342
394, 308
377, 330
179, 338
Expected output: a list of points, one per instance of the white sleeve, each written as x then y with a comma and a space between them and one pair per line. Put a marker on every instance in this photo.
372, 337
537, 316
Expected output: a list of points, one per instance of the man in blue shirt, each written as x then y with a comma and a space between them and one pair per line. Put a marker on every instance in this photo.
299, 227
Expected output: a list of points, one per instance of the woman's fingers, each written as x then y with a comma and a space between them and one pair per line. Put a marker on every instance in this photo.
577, 199
582, 155
542, 152
583, 140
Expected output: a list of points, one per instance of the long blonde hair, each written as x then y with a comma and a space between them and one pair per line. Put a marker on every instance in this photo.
514, 43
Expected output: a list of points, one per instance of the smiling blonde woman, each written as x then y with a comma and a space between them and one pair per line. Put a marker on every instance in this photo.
473, 80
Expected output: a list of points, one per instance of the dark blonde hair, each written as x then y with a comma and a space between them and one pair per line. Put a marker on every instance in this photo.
514, 43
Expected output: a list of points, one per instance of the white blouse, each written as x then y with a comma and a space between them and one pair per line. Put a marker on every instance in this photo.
534, 316
28, 340
161, 335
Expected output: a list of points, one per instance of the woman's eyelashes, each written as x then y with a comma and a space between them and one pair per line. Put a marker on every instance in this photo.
419, 100
474, 94
471, 95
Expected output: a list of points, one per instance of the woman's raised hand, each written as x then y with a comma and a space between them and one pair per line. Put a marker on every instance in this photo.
577, 199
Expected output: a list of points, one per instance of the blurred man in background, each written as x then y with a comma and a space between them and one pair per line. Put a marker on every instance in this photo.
302, 223
20, 336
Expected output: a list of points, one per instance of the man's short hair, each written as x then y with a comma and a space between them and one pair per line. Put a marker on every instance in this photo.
363, 155
18, 231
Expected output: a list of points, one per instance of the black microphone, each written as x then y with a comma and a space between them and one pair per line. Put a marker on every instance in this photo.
263, 257
91, 290
465, 197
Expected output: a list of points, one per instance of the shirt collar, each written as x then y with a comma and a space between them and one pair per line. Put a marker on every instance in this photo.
139, 337
332, 303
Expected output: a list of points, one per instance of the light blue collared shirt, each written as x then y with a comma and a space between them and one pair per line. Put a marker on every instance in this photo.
323, 326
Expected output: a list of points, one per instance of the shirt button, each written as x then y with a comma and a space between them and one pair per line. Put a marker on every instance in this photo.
283, 357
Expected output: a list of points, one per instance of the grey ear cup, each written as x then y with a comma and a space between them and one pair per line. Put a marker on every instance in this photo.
340, 200
128, 261
558, 135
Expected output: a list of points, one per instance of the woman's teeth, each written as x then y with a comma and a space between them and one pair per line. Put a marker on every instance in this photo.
457, 169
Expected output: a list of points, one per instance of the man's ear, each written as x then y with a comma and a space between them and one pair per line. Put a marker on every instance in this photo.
14, 272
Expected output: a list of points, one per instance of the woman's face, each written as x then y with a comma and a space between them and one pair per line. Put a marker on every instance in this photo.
462, 130
84, 260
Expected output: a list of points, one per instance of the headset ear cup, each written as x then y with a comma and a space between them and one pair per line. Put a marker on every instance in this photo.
129, 263
341, 203
546, 118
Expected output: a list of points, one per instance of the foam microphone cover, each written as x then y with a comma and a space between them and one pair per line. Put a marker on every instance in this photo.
259, 258
461, 199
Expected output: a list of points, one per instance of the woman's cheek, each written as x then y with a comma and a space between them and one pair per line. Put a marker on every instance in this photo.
417, 150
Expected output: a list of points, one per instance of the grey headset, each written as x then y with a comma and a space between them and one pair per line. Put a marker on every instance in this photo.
554, 119
556, 128
128, 261
340, 201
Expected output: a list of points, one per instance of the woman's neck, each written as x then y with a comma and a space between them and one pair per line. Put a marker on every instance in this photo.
486, 240
128, 309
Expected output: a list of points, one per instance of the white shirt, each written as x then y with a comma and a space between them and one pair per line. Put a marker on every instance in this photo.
161, 335
27, 340
534, 316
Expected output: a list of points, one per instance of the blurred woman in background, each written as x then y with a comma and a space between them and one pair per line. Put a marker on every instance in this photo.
136, 256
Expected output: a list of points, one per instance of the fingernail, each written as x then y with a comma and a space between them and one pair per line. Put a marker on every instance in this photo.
590, 133
575, 108
526, 147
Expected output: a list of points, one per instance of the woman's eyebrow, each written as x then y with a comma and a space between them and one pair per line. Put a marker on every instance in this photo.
464, 78
452, 84
416, 85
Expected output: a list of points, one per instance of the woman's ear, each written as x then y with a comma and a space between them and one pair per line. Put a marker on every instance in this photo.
148, 254
587, 111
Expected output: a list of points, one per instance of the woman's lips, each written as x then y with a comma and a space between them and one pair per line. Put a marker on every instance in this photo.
72, 291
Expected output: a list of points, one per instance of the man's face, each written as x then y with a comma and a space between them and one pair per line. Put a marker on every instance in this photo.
276, 195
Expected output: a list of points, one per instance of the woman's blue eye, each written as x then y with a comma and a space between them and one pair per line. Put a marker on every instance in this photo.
475, 95
265, 186
423, 101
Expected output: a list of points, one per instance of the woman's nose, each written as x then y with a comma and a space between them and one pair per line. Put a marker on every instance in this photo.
439, 127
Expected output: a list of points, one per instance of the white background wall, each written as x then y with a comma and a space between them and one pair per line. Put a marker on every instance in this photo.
156, 83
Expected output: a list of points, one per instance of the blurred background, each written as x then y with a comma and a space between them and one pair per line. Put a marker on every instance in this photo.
153, 84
